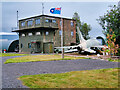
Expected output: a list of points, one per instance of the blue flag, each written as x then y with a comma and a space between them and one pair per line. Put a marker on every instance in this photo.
55, 10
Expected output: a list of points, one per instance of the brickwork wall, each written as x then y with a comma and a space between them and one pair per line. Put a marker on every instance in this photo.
67, 29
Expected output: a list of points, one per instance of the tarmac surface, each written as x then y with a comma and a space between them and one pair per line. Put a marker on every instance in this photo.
11, 71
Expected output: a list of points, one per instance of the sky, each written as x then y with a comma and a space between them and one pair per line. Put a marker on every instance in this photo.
88, 12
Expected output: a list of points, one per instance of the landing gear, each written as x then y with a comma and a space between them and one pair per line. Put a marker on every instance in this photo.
79, 50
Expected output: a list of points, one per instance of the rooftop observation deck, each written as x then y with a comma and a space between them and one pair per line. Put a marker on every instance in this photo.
38, 22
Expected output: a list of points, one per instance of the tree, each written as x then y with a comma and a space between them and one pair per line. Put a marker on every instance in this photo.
111, 20
84, 27
111, 39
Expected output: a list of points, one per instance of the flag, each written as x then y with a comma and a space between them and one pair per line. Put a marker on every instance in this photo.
55, 10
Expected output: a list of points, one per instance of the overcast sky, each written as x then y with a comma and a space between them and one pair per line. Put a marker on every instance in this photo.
88, 12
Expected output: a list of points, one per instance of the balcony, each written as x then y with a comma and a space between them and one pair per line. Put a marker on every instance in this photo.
38, 23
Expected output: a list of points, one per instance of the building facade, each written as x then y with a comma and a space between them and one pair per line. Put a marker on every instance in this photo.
42, 33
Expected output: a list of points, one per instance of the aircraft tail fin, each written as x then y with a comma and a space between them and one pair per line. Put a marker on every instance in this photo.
80, 35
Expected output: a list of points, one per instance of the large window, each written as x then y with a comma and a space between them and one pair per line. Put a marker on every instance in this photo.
37, 21
30, 23
23, 24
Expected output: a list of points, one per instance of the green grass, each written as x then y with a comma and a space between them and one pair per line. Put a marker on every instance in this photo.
113, 60
35, 58
103, 78
11, 54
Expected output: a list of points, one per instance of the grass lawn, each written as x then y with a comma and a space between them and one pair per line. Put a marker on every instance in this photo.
35, 58
11, 54
113, 60
103, 78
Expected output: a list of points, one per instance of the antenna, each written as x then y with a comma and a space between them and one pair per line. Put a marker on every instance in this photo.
17, 20
42, 8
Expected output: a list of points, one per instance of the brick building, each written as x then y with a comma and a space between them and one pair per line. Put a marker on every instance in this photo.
43, 33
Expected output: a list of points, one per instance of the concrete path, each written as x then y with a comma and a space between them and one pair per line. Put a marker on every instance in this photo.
10, 72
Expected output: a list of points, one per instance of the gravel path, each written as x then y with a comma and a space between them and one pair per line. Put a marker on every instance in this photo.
11, 71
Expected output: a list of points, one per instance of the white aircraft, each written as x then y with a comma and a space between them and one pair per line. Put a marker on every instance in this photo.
9, 41
89, 46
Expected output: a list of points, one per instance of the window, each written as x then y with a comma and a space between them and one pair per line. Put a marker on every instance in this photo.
50, 20
37, 21
30, 34
47, 33
60, 32
29, 45
72, 33
23, 24
72, 24
54, 21
60, 22
21, 45
38, 33
47, 20
23, 34
30, 23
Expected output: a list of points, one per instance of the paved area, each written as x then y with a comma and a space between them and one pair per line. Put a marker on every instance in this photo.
10, 72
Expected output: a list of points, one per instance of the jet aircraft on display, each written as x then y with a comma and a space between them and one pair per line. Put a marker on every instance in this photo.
89, 46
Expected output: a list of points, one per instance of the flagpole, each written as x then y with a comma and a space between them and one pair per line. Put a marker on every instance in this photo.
62, 37
58, 11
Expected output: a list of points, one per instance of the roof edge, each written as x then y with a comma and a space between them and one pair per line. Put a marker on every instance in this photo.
47, 16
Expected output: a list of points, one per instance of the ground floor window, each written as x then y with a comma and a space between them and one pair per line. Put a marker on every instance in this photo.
47, 33
72, 33
23, 35
38, 33
30, 34
21, 45
29, 45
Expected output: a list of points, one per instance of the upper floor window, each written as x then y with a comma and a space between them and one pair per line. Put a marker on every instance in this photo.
72, 33
38, 33
72, 24
30, 23
30, 34
23, 34
37, 21
54, 21
60, 22
60, 32
47, 20
23, 23
46, 33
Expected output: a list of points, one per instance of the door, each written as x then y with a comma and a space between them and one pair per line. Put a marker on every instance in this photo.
48, 48
37, 47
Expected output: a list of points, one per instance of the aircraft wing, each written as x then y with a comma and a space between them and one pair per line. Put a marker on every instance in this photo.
89, 50
67, 47
101, 46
